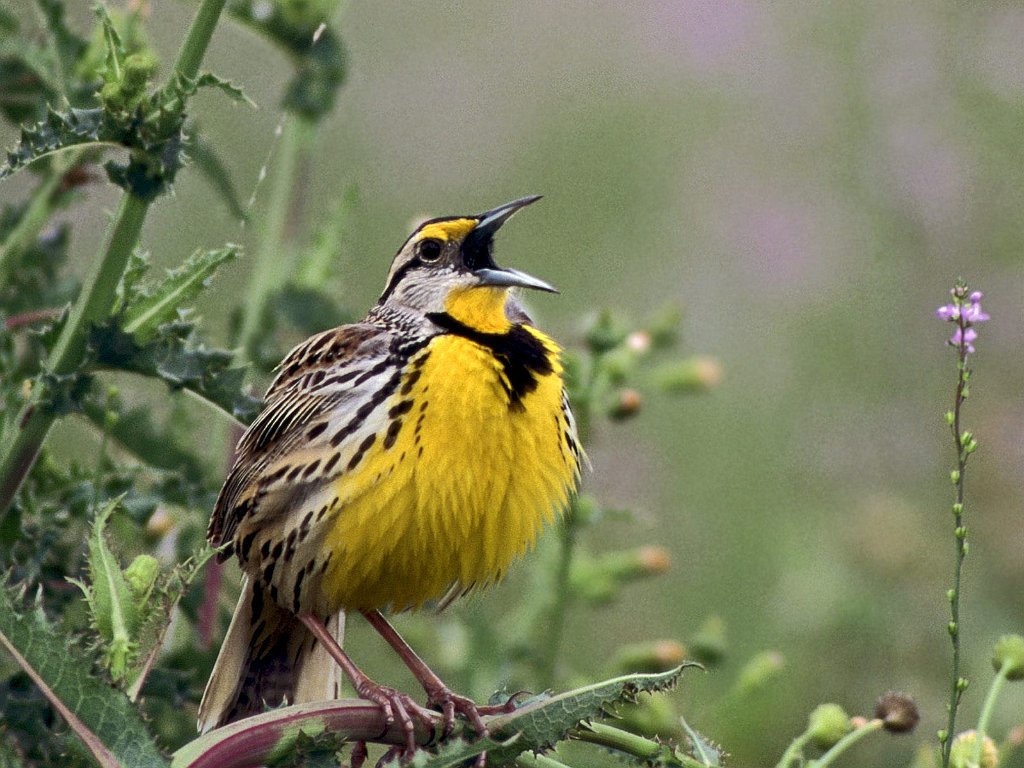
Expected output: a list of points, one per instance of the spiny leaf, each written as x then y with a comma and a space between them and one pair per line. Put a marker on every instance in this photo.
210, 80
543, 723
702, 749
144, 309
114, 610
68, 675
182, 362
115, 52
62, 130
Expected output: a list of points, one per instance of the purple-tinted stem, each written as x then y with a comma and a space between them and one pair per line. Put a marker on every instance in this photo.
256, 740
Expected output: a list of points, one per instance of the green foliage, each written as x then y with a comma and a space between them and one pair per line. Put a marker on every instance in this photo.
142, 309
67, 672
318, 57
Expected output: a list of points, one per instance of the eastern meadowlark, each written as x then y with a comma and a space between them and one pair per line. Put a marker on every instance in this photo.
404, 459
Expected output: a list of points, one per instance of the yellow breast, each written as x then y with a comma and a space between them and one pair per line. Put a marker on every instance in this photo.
458, 485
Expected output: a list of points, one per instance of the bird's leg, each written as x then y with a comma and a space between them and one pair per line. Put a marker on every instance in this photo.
438, 694
396, 706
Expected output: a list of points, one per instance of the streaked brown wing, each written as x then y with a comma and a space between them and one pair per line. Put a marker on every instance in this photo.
314, 382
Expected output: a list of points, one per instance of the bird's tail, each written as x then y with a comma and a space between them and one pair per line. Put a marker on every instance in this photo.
268, 657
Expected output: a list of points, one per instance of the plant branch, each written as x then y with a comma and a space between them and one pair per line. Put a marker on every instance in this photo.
957, 684
987, 708
99, 291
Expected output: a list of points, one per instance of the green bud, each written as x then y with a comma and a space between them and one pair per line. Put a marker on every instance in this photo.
942, 735
966, 437
971, 446
664, 327
966, 547
958, 509
708, 645
950, 418
138, 69
1008, 656
827, 724
960, 532
962, 683
649, 657
961, 751
141, 575
954, 476
951, 595
617, 365
605, 333
759, 671
951, 627
694, 374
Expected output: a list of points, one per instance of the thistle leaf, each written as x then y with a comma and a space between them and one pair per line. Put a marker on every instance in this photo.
60, 131
100, 715
144, 309
115, 612
176, 357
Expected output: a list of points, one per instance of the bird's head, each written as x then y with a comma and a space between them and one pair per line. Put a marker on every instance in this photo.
447, 266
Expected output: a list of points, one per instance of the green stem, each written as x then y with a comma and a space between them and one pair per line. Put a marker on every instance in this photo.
40, 207
555, 625
280, 227
616, 738
98, 293
846, 742
960, 546
794, 750
986, 711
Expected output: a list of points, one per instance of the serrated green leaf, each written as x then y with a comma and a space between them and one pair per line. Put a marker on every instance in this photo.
60, 131
114, 50
702, 749
540, 725
116, 615
210, 80
69, 677
177, 358
145, 310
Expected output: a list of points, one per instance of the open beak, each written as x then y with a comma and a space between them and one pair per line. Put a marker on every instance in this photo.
478, 243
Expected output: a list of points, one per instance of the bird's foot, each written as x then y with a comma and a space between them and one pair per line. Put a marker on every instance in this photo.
398, 708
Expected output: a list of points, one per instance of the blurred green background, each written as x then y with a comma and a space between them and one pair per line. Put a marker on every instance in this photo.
806, 181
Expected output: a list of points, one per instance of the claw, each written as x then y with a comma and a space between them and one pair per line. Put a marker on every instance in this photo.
451, 704
397, 707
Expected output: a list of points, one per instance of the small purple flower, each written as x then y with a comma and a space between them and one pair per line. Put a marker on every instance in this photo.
965, 336
965, 310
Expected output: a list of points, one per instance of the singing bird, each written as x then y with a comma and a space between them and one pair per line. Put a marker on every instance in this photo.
405, 459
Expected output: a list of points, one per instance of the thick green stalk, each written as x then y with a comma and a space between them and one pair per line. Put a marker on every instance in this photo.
98, 294
274, 255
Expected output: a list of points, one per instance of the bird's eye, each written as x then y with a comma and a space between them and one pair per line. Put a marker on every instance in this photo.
429, 251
